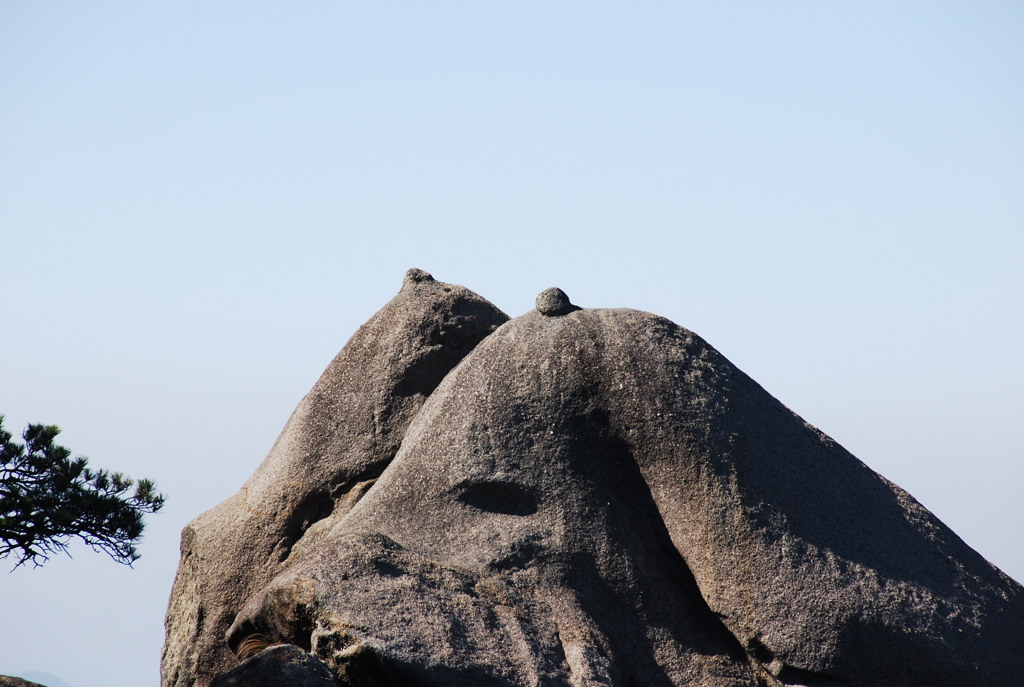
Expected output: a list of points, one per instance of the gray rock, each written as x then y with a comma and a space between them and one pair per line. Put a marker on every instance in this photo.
333, 448
598, 497
554, 302
282, 665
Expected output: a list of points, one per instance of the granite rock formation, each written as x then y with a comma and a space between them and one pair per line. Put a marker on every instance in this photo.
574, 497
336, 443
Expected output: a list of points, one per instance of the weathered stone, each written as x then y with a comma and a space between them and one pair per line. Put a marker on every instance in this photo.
598, 497
282, 665
554, 302
279, 666
335, 445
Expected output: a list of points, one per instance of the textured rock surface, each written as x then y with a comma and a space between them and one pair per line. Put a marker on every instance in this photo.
598, 497
337, 442
282, 665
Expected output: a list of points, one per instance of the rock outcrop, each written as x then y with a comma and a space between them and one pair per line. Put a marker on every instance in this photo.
590, 497
335, 445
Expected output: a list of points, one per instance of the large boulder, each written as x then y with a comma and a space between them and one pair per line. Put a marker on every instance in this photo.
598, 497
335, 445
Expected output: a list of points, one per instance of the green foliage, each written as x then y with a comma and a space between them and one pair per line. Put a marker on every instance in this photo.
47, 497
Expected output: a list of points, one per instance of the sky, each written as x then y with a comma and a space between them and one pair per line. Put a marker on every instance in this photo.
200, 202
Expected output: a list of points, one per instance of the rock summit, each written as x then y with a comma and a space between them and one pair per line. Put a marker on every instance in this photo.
574, 497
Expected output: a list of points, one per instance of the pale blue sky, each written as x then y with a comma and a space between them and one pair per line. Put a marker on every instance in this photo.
201, 201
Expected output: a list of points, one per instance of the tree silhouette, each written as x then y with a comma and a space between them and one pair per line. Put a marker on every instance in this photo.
47, 498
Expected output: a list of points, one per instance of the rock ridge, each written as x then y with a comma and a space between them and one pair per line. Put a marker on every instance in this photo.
573, 497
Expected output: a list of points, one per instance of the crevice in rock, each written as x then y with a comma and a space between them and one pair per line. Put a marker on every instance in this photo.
787, 675
320, 505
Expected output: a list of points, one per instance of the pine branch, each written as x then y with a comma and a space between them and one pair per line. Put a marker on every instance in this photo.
48, 498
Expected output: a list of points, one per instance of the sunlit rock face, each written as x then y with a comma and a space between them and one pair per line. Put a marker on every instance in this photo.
336, 443
590, 497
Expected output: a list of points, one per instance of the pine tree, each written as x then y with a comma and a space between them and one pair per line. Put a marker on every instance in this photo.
47, 498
